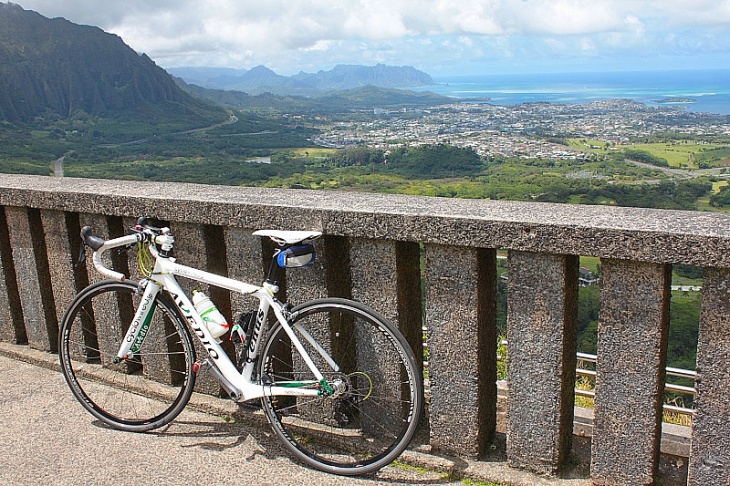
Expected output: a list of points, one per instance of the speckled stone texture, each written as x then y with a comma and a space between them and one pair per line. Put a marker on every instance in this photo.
378, 275
61, 258
374, 275
710, 455
385, 275
461, 329
245, 264
39, 320
631, 370
541, 331
652, 235
12, 327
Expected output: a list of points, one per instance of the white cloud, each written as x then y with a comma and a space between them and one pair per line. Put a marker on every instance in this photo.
293, 34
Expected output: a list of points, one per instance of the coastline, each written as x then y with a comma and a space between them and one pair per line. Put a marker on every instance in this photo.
705, 91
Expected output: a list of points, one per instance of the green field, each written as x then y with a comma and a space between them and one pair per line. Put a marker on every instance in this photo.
679, 154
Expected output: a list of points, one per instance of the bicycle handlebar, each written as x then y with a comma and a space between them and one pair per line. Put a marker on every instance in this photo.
99, 245
142, 232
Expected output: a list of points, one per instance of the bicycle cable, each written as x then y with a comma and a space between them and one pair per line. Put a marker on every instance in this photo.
144, 259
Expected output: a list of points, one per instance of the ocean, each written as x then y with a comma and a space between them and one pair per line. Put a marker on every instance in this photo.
706, 91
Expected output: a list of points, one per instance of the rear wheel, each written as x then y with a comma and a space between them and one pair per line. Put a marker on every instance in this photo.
369, 408
141, 393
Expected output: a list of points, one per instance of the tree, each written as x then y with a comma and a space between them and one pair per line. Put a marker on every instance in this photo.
434, 161
722, 198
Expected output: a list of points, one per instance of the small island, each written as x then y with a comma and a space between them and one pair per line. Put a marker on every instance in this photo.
675, 100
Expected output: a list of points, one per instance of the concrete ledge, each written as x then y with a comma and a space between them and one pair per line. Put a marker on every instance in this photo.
651, 235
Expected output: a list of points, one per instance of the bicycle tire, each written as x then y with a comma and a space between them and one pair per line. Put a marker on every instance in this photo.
371, 423
141, 393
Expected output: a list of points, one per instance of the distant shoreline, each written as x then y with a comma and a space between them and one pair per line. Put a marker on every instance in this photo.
664, 101
706, 91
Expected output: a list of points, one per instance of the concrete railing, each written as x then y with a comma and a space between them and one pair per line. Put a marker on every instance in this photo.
381, 249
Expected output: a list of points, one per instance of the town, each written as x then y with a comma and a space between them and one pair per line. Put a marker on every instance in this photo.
533, 130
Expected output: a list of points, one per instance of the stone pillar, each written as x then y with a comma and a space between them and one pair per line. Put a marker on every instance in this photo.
31, 267
244, 261
190, 250
305, 284
710, 454
374, 275
385, 275
462, 346
62, 256
630, 373
12, 328
380, 271
542, 311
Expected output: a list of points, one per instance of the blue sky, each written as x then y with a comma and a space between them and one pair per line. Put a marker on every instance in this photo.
440, 37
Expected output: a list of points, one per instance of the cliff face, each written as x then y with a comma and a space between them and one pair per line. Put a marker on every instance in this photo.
55, 66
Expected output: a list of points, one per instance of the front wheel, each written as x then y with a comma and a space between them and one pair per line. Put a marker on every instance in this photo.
144, 392
370, 404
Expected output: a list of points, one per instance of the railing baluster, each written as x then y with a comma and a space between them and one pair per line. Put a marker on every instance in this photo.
191, 249
632, 341
541, 329
710, 452
245, 262
12, 328
61, 257
460, 310
26, 234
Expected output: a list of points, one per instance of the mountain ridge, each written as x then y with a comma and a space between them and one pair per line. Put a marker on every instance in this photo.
53, 66
360, 98
261, 79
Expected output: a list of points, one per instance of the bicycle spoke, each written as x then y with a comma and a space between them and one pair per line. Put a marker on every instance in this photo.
137, 400
372, 412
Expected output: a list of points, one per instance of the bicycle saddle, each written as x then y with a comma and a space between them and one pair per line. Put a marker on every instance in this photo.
288, 237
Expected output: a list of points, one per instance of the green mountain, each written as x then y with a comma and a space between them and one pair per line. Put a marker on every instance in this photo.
363, 98
54, 67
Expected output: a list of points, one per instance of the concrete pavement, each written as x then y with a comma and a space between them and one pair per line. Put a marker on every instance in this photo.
48, 439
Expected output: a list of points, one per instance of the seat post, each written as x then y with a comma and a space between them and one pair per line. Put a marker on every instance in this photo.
275, 271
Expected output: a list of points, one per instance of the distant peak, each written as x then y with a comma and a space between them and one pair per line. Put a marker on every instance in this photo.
261, 69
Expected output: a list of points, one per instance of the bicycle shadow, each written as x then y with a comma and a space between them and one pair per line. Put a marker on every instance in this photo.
222, 436
251, 442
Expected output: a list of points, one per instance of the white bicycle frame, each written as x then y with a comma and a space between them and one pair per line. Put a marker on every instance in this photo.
240, 386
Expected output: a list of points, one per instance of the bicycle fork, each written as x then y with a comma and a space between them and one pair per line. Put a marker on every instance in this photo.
140, 324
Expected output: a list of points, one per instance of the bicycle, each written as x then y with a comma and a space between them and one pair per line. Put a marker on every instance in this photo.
337, 381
